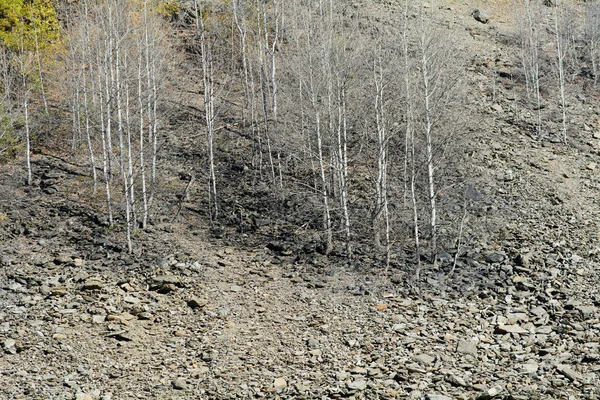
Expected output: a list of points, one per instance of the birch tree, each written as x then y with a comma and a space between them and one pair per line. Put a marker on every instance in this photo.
562, 43
592, 36
530, 42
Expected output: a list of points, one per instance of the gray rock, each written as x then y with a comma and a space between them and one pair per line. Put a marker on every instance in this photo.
425, 359
495, 257
491, 393
131, 300
481, 16
121, 336
279, 383
10, 346
539, 311
529, 368
437, 397
504, 329
358, 384
445, 258
179, 384
62, 259
455, 380
166, 279
586, 312
568, 372
197, 302
92, 284
467, 347
166, 288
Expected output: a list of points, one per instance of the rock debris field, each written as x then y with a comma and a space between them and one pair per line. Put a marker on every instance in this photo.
81, 319
192, 316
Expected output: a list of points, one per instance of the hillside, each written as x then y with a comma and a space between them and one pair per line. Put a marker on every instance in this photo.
244, 282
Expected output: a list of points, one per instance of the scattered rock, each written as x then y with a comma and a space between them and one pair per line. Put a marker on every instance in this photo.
491, 393
481, 16
197, 302
437, 397
179, 384
495, 257
467, 347
568, 372
236, 288
358, 385
122, 336
424, 359
279, 384
92, 284
586, 312
166, 279
503, 329
529, 368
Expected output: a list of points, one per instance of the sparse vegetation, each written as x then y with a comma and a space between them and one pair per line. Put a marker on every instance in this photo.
299, 199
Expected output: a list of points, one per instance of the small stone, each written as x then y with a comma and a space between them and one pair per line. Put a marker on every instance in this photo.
358, 384
10, 346
121, 336
236, 288
83, 396
529, 368
591, 166
495, 257
504, 329
62, 259
166, 279
467, 347
359, 370
586, 312
78, 262
92, 284
58, 291
145, 316
456, 380
167, 288
399, 327
197, 302
539, 311
59, 337
179, 384
123, 318
131, 300
491, 393
437, 397
197, 372
568, 372
316, 352
279, 384
481, 16
425, 359
497, 107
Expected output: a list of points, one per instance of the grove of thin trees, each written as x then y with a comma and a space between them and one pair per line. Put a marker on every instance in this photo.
360, 124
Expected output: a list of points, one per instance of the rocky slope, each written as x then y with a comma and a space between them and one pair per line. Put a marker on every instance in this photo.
201, 314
